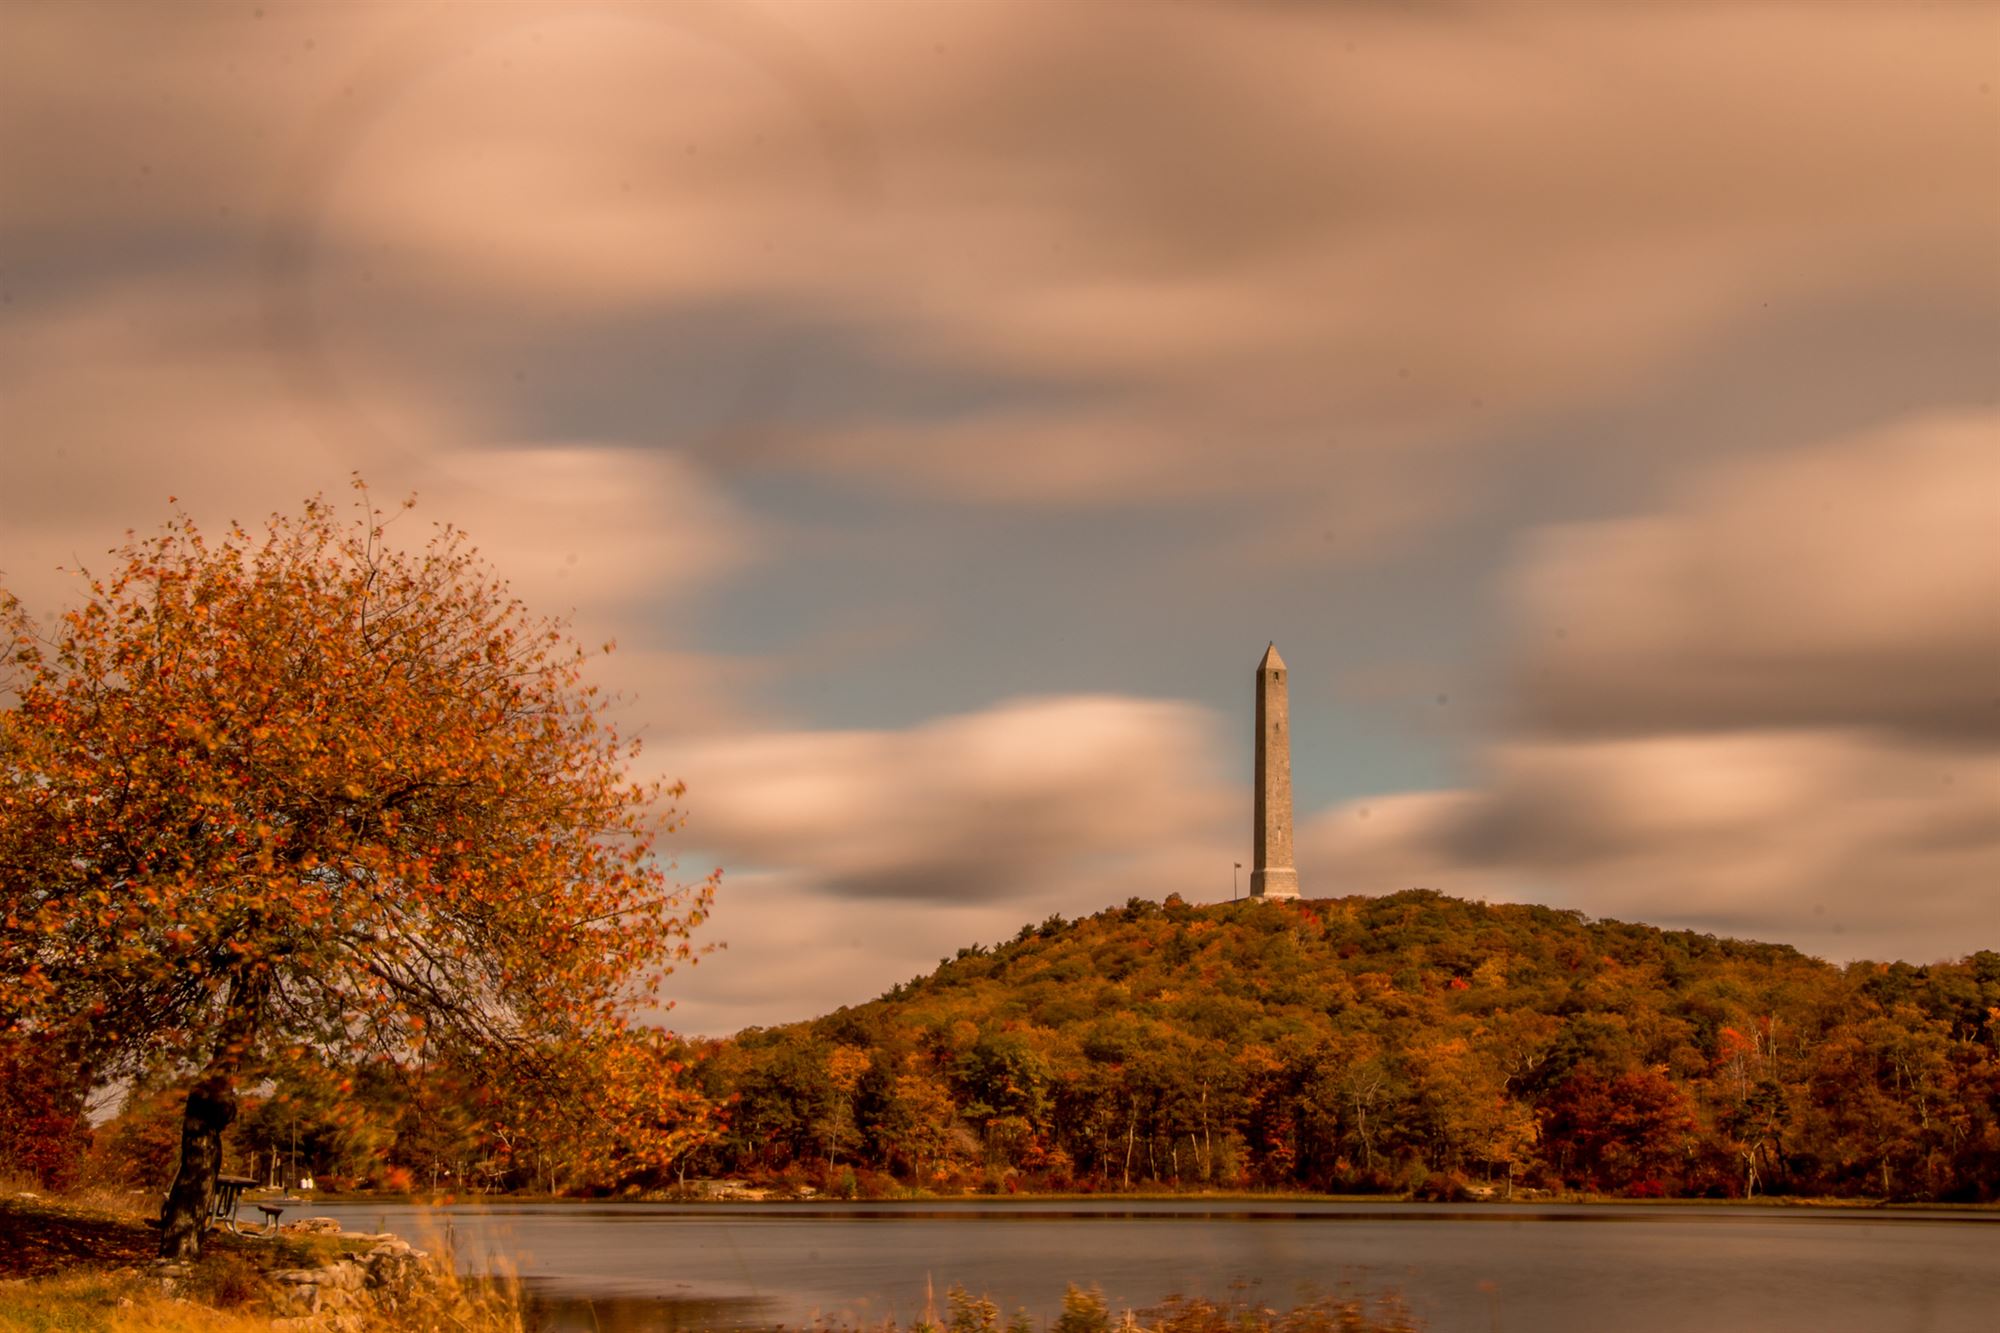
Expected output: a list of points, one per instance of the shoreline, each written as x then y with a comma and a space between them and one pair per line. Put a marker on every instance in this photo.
1253, 1198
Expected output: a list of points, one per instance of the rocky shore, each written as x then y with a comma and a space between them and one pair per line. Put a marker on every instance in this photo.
65, 1265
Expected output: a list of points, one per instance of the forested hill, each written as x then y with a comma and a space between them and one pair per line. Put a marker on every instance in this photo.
1409, 1042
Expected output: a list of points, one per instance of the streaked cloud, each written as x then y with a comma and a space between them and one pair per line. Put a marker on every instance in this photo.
1851, 585
1343, 247
854, 860
910, 389
1769, 710
1068, 792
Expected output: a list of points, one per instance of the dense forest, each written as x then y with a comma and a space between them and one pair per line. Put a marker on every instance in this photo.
1410, 1043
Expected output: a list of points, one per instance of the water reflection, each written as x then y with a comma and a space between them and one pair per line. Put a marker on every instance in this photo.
552, 1309
1541, 1267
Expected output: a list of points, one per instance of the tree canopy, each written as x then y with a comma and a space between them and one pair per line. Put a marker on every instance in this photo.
1411, 1042
307, 790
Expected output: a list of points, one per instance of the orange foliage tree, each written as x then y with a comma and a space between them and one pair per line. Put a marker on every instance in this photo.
652, 1115
305, 789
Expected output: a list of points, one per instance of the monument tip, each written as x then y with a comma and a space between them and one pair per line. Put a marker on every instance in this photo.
1271, 662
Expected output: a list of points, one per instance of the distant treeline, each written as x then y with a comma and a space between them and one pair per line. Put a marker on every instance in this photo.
1407, 1043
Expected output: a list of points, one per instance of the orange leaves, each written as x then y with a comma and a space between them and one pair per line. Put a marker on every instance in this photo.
367, 767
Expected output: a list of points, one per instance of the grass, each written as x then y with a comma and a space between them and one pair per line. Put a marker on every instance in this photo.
129, 1302
87, 1267
46, 1237
113, 1302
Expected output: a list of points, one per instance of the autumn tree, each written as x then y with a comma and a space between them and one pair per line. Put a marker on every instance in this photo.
44, 1131
647, 1113
320, 1122
844, 1067
1630, 1134
308, 790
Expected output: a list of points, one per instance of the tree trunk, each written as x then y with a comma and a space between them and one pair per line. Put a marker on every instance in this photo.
211, 1106
1131, 1127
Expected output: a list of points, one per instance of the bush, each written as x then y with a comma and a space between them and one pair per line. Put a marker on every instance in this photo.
1441, 1187
970, 1315
1082, 1312
228, 1281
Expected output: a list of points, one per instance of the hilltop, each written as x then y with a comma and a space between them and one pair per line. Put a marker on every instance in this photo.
1412, 1042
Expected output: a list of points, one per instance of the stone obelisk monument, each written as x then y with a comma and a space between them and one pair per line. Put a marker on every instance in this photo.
1271, 872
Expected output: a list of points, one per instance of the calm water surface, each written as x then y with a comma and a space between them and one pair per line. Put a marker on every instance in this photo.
1489, 1268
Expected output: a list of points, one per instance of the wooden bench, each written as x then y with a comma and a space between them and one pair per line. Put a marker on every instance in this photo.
273, 1209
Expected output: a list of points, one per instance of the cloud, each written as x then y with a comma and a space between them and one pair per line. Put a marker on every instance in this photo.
1854, 584
856, 859
790, 952
1340, 241
1768, 711
1344, 248
590, 525
964, 809
1836, 842
163, 389
117, 402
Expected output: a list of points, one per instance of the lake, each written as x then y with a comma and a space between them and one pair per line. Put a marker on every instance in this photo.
1525, 1268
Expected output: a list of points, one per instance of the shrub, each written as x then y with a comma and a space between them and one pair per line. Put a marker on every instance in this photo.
970, 1315
228, 1281
1082, 1312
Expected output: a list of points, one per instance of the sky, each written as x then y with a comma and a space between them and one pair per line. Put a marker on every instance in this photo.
942, 405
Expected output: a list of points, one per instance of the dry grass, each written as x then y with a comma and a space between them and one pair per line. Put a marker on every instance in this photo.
130, 1302
452, 1301
66, 1268
112, 1302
